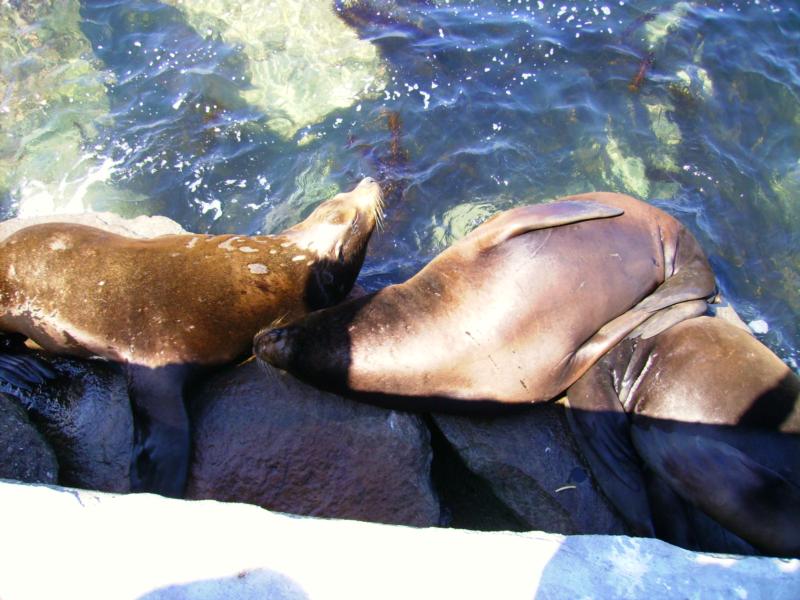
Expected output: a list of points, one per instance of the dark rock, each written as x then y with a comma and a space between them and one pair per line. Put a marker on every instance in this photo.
467, 500
531, 464
86, 417
24, 453
262, 437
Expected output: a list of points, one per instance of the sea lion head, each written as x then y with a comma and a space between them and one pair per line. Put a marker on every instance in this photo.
317, 345
336, 233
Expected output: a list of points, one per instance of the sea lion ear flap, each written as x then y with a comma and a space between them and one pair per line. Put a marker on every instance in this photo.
521, 220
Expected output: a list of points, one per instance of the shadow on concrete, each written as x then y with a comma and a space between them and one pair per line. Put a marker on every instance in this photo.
257, 584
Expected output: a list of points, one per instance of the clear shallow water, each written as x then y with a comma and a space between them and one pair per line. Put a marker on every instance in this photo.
241, 116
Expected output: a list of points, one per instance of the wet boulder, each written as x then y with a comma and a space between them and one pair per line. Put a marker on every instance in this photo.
262, 437
530, 463
85, 415
24, 453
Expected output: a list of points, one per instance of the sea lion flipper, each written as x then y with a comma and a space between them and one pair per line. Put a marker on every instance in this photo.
745, 496
600, 427
521, 220
694, 282
23, 372
666, 318
161, 430
680, 297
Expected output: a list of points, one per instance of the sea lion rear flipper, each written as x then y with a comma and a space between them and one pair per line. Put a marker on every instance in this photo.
600, 427
680, 297
683, 294
521, 220
748, 498
666, 318
161, 444
690, 283
20, 369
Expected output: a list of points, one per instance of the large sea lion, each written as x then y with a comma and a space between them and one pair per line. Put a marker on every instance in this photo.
702, 410
515, 312
166, 305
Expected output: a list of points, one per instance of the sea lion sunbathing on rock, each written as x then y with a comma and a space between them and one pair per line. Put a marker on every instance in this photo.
525, 306
703, 411
515, 312
166, 305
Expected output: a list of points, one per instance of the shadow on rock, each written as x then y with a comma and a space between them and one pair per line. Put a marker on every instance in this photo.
24, 453
530, 463
85, 416
262, 437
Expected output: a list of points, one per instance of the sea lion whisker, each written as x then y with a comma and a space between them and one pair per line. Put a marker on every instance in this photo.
378, 210
277, 322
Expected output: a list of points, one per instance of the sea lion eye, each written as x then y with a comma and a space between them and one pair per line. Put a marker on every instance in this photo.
334, 217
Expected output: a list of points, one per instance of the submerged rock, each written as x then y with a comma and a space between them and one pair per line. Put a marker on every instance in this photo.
626, 169
53, 95
311, 186
24, 454
265, 438
304, 62
86, 417
530, 462
458, 221
665, 23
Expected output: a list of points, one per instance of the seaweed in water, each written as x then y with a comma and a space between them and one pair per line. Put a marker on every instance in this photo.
638, 79
390, 167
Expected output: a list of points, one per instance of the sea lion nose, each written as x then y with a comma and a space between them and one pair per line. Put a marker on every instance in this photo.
270, 345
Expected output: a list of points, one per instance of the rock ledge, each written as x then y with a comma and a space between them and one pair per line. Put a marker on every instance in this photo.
63, 543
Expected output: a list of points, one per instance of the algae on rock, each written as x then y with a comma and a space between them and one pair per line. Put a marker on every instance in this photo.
664, 23
629, 169
53, 97
304, 62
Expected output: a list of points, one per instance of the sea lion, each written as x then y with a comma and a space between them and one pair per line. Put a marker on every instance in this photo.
711, 413
515, 312
166, 305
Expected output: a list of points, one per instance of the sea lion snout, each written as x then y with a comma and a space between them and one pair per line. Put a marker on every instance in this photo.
370, 196
271, 345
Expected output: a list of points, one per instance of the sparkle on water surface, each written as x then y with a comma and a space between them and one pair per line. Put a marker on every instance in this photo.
241, 116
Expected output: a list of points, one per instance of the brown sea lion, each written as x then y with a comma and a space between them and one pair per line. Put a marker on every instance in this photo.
164, 305
705, 411
515, 312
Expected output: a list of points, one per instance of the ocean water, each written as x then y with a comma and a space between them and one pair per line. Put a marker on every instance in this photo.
241, 116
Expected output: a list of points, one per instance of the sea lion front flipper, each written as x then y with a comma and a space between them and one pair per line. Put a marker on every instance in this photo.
600, 427
521, 220
746, 497
161, 443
